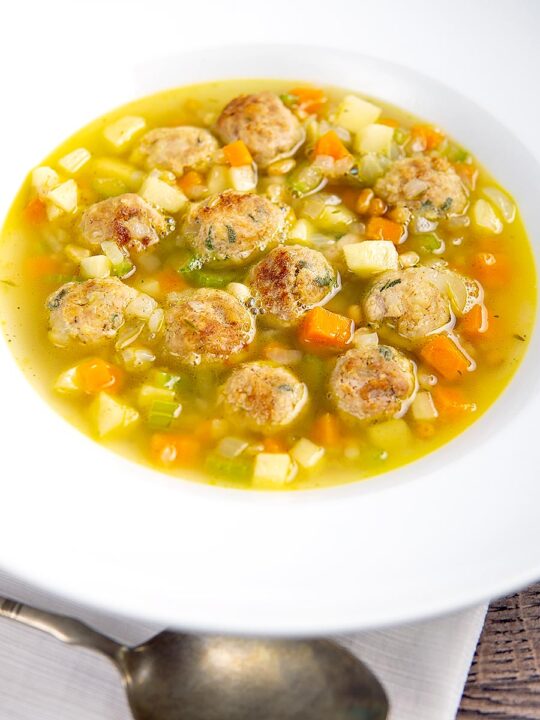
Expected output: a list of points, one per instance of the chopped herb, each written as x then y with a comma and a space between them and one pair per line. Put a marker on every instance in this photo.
8, 282
231, 233
385, 352
190, 324
251, 216
209, 242
54, 302
324, 281
285, 387
288, 99
522, 338
427, 205
390, 284
301, 264
447, 204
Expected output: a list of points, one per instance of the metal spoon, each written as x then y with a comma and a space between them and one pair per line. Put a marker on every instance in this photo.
184, 677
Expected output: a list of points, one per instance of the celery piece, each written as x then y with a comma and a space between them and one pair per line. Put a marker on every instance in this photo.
210, 278
238, 468
163, 379
123, 269
401, 136
162, 413
425, 243
306, 179
455, 153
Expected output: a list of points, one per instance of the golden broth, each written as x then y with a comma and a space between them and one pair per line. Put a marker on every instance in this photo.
25, 285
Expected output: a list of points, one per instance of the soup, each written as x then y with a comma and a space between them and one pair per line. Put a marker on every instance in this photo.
265, 284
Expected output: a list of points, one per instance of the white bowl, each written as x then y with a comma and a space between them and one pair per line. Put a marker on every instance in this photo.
457, 527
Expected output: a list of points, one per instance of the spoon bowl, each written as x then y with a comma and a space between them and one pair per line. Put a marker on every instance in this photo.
174, 676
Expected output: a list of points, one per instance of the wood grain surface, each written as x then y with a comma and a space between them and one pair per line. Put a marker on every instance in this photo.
504, 680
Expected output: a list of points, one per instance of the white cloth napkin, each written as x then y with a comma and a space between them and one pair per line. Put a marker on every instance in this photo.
423, 666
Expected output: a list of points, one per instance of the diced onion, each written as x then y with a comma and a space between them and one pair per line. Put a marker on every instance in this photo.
64, 196
137, 358
232, 447
240, 291
363, 338
283, 355
44, 179
155, 321
76, 253
66, 382
243, 177
128, 333
113, 252
423, 407
485, 217
75, 160
409, 259
141, 307
502, 202
273, 470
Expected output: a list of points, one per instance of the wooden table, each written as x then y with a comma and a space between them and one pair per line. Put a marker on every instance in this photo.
504, 680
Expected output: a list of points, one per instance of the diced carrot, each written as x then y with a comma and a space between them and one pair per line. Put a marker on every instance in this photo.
475, 323
170, 281
492, 270
95, 375
451, 402
330, 144
326, 430
445, 357
322, 327
41, 265
174, 449
237, 154
388, 121
309, 99
424, 429
35, 211
274, 445
380, 228
468, 173
191, 183
426, 137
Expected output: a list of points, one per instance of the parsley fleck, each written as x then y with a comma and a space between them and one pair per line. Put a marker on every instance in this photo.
209, 242
231, 234
390, 284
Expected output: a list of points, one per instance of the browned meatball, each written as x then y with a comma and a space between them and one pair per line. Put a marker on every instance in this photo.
91, 312
233, 227
178, 148
206, 325
409, 299
374, 383
266, 126
128, 220
291, 280
263, 397
425, 184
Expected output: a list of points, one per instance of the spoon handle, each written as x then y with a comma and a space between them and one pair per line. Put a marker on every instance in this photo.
63, 628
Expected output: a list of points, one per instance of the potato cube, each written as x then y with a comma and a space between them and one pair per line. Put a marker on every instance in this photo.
371, 257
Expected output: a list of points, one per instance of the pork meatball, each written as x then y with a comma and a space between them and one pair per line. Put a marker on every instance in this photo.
427, 185
266, 126
291, 280
233, 227
263, 397
206, 325
410, 300
128, 220
374, 383
178, 148
92, 312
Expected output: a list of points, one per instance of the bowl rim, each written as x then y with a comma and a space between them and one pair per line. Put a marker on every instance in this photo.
108, 576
